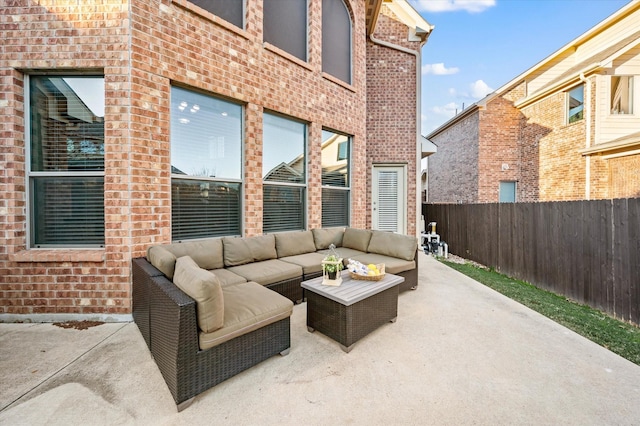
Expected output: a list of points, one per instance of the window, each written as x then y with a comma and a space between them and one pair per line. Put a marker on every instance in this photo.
335, 179
575, 104
507, 192
621, 94
285, 26
284, 174
230, 10
336, 39
206, 166
66, 161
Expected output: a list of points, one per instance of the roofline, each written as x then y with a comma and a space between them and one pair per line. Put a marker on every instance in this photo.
480, 105
615, 17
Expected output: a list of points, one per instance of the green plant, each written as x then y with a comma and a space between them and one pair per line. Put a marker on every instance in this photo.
332, 267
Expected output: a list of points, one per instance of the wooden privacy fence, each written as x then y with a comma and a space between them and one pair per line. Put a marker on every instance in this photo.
588, 251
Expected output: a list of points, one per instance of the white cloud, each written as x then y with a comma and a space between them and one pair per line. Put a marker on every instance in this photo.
471, 6
480, 89
448, 110
439, 69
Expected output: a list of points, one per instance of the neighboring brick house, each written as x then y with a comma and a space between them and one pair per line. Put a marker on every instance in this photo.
566, 129
131, 123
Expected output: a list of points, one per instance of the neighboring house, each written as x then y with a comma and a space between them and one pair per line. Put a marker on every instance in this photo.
131, 123
566, 129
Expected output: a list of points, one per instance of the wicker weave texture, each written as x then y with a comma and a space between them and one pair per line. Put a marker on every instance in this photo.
348, 324
168, 317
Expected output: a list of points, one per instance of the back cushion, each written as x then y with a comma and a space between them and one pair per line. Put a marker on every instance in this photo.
206, 253
236, 251
162, 259
203, 287
324, 237
263, 247
240, 251
294, 243
357, 239
394, 245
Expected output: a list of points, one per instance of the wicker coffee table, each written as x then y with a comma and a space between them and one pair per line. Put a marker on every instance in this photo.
352, 310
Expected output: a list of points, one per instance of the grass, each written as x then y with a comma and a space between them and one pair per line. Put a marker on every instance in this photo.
617, 336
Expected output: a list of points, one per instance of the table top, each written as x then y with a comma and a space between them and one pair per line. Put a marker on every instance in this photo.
351, 291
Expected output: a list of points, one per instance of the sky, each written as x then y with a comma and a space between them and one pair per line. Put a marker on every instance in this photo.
477, 46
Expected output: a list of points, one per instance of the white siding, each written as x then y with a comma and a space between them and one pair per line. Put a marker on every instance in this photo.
610, 126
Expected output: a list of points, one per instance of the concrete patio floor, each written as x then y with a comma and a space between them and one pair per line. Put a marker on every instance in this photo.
458, 354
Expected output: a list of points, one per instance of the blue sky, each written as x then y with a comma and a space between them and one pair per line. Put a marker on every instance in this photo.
479, 45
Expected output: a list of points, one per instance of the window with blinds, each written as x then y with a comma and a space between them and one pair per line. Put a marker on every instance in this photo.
66, 161
230, 10
206, 166
336, 149
336, 39
388, 201
283, 173
285, 26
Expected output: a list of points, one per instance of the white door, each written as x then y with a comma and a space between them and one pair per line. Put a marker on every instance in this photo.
389, 204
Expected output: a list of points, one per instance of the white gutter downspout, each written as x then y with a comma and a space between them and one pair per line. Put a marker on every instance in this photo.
418, 56
587, 117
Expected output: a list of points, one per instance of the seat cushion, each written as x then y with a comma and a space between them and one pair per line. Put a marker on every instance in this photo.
309, 262
394, 245
392, 265
248, 307
227, 277
203, 287
324, 237
294, 243
357, 239
268, 271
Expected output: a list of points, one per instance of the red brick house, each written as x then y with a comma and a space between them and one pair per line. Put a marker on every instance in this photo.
131, 123
566, 129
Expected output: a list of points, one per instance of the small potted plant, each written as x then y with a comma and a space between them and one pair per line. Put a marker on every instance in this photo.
331, 266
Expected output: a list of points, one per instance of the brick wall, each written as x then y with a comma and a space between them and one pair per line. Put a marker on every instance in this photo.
50, 35
391, 110
171, 43
453, 170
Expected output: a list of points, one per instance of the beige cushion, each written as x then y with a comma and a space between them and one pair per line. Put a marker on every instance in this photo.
294, 243
203, 287
249, 306
206, 253
240, 251
226, 277
263, 247
394, 245
324, 237
309, 262
162, 259
392, 265
268, 271
357, 239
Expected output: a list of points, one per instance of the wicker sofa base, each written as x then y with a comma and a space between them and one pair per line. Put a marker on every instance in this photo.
166, 317
348, 324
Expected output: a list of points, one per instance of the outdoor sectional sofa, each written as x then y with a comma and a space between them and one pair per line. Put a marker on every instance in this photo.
209, 309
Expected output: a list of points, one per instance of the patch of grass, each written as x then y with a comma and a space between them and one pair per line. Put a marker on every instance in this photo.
617, 336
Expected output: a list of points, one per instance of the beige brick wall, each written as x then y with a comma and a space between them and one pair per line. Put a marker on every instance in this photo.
170, 43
